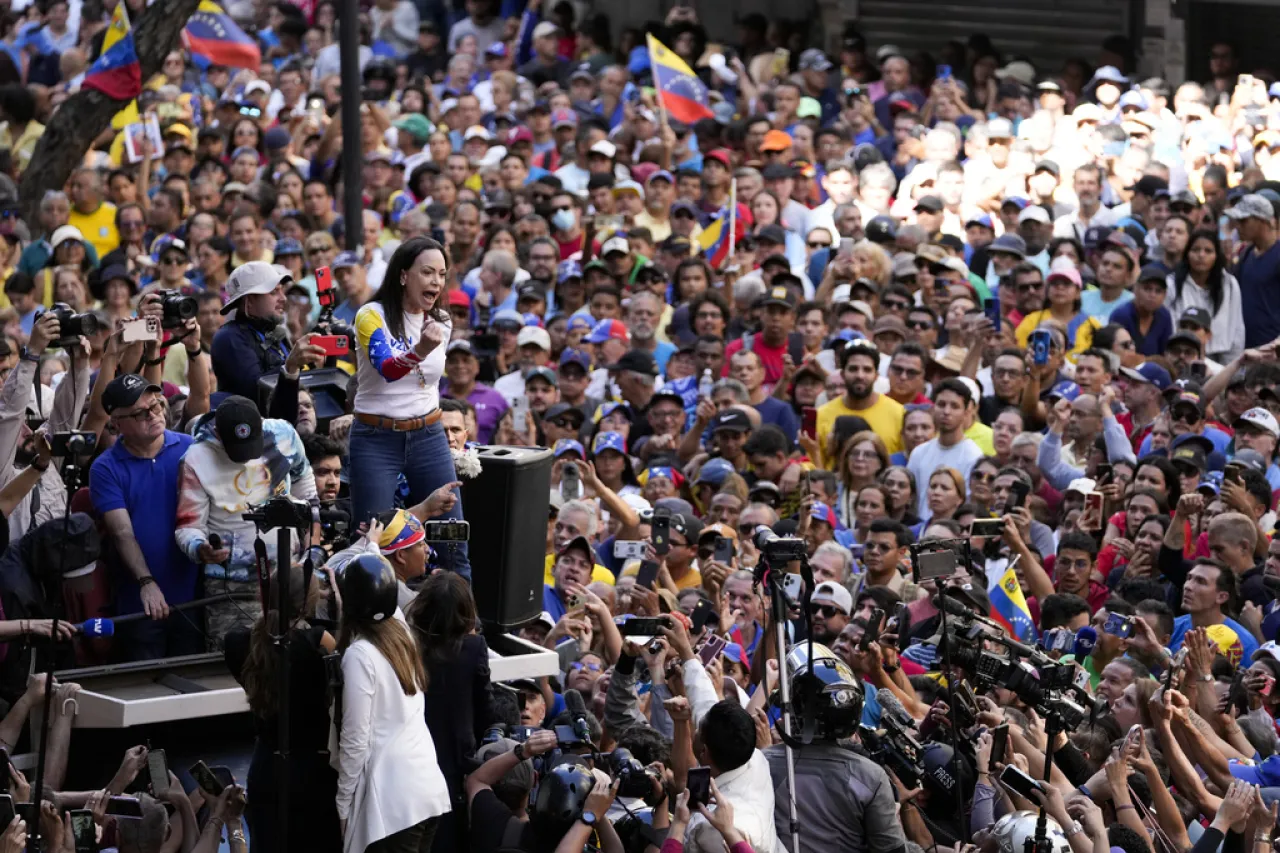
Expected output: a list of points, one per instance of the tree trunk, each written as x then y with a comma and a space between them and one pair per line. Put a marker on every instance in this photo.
83, 116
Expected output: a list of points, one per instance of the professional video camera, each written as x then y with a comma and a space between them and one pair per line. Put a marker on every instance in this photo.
335, 527
284, 511
778, 550
176, 309
72, 326
636, 780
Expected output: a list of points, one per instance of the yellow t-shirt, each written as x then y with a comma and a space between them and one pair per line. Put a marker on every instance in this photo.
599, 574
1080, 330
884, 416
98, 228
25, 145
691, 580
981, 435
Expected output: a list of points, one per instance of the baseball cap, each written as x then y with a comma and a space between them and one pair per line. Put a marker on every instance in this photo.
545, 29
1189, 454
930, 203
721, 156
576, 356
1050, 166
734, 420
776, 140
1262, 419
287, 246
567, 270
344, 260
714, 472
615, 244
779, 295
636, 361
605, 148
814, 60
546, 374
416, 125
999, 128
1034, 213
824, 513
559, 410
462, 346
1066, 389
891, 324
1251, 459
1152, 272
535, 336
124, 391
564, 118
255, 277
507, 316
609, 441
1196, 316
772, 234
1251, 206
607, 329
1010, 244
569, 445
1149, 373
1149, 185
519, 778
239, 425
830, 592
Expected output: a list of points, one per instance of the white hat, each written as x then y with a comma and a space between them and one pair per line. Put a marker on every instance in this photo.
1262, 419
447, 105
65, 233
492, 157
1082, 485
544, 29
533, 335
477, 131
637, 503
248, 279
864, 309
628, 186
830, 592
840, 294
1034, 213
604, 147
615, 244
974, 391
258, 86
1022, 72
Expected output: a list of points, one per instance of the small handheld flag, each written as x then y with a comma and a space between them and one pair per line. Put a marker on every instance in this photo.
117, 72
680, 92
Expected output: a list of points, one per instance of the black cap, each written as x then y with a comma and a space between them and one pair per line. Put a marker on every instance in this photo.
1152, 272
637, 361
731, 419
1149, 185
124, 391
772, 234
931, 203
559, 410
687, 526
881, 229
777, 172
1196, 316
531, 290
239, 425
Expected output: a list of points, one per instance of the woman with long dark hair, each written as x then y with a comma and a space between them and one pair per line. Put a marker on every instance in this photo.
253, 658
443, 620
399, 362
1201, 280
391, 792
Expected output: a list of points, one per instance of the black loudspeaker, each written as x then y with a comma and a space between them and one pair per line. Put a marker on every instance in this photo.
508, 506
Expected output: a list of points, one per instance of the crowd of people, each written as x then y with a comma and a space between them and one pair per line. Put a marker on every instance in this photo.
936, 394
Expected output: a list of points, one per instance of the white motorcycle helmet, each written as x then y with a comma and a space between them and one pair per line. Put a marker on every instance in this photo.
1012, 831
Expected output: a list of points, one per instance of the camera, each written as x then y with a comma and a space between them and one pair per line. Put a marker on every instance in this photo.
177, 309
283, 511
635, 781
73, 443
447, 531
73, 326
335, 527
779, 549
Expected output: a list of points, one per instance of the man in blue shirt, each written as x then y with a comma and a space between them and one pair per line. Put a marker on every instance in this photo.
572, 569
1259, 268
138, 478
1211, 588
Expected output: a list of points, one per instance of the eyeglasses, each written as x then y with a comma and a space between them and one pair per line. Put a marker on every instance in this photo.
141, 415
979, 477
826, 610
1027, 288
1008, 372
1186, 416
863, 454
910, 373
920, 324
578, 666
1126, 345
172, 261
1073, 564
894, 305
878, 547
318, 250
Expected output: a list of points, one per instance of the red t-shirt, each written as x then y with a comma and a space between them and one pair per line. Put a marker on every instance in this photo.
568, 250
770, 357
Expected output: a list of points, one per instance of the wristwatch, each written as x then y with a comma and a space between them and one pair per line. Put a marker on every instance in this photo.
27, 355
1207, 678
519, 752
589, 818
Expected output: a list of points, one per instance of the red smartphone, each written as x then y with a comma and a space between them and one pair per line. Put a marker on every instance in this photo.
324, 287
337, 345
809, 422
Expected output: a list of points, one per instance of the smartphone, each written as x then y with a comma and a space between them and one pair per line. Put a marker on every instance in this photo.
1102, 473
992, 309
124, 807
1131, 737
628, 549
1093, 509
1118, 625
713, 645
703, 612
781, 66
648, 572
792, 585
4, 772
1041, 341
726, 550
1020, 783
158, 768
27, 811
986, 527
324, 287
520, 413
1267, 684
1231, 474
845, 252
1018, 492
698, 783
944, 72
659, 533
902, 622
446, 530
809, 422
6, 810
1198, 371
999, 740
520, 734
140, 329
1174, 665
338, 345
875, 622
83, 831
206, 780
570, 482
641, 626
566, 736
567, 652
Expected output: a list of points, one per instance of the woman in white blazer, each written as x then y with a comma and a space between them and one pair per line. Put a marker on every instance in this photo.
390, 788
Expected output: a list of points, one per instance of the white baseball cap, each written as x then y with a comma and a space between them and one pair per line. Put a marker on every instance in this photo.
533, 335
1034, 213
258, 86
250, 278
1262, 419
615, 244
604, 147
830, 592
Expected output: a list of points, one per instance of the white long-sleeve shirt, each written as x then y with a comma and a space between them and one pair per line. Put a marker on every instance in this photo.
388, 776
1226, 330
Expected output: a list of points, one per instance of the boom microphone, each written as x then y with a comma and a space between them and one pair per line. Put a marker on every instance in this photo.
578, 710
1086, 639
890, 705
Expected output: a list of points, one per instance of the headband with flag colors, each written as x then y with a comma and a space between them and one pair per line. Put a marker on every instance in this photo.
213, 37
676, 478
117, 73
680, 92
401, 532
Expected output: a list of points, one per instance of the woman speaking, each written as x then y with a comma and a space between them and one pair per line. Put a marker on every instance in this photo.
391, 792
401, 338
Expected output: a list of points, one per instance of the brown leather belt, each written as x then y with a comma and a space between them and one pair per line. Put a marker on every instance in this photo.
399, 424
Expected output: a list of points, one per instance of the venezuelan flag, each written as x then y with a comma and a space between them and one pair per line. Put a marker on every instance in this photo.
211, 34
680, 91
714, 239
1009, 607
117, 72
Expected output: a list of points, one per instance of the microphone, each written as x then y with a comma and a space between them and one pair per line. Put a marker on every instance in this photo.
890, 705
97, 628
578, 710
1086, 640
215, 541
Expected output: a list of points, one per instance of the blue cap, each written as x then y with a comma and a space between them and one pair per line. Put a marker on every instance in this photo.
684, 205
603, 331
983, 219
1149, 373
1133, 98
609, 441
498, 49
735, 653
1017, 201
507, 315
609, 408
531, 319
568, 270
660, 173
345, 259
243, 149
714, 472
287, 246
580, 321
567, 445
576, 356
1108, 74
1066, 389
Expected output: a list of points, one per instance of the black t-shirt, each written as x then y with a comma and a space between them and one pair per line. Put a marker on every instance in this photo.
489, 820
989, 408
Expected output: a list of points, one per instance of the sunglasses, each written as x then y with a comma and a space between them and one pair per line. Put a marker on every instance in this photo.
1186, 417
578, 666
919, 324
894, 305
826, 610
1028, 288
818, 244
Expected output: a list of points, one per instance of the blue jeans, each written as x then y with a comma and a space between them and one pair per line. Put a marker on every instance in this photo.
377, 456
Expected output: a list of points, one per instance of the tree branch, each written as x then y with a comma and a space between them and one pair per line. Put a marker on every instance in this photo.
82, 117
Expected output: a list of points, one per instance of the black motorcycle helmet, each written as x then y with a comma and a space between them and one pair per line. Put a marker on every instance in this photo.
881, 229
369, 589
562, 795
826, 683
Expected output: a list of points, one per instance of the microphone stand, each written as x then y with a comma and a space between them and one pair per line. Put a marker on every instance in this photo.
1039, 843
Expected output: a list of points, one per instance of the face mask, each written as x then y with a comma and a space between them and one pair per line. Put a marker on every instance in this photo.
562, 220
